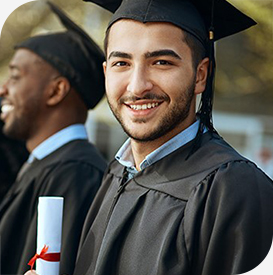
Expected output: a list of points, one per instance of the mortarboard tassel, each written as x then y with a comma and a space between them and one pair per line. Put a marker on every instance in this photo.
206, 103
205, 108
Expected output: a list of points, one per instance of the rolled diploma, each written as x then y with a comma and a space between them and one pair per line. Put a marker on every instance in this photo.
49, 232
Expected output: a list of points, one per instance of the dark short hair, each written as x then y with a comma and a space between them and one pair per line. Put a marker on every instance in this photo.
198, 51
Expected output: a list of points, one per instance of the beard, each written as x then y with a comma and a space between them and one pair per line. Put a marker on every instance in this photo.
166, 123
21, 121
18, 129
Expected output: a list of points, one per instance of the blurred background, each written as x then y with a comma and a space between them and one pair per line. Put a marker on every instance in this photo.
243, 103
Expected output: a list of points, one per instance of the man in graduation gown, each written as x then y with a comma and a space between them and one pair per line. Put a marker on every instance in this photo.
177, 199
53, 80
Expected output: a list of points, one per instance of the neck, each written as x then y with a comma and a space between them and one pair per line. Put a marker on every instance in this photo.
41, 136
141, 149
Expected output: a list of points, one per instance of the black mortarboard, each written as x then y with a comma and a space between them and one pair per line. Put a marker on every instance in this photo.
75, 55
194, 16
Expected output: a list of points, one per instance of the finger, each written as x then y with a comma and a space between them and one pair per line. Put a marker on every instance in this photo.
31, 272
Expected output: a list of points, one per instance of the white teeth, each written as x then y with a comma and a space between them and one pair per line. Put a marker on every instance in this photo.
7, 108
144, 106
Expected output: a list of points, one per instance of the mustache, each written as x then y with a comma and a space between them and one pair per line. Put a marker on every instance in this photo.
147, 96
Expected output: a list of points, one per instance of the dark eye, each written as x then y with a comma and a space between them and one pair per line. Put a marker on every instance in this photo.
163, 62
120, 64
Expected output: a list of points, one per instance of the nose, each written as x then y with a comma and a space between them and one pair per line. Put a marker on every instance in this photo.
139, 82
3, 90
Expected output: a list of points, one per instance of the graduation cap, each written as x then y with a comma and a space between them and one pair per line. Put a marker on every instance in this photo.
206, 20
195, 16
75, 55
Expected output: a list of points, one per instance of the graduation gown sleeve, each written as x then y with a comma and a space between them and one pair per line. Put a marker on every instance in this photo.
68, 182
228, 221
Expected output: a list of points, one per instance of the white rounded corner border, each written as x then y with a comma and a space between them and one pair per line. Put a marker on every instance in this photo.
7, 7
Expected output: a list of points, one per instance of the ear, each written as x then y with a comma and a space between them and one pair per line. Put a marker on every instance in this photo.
58, 90
201, 76
104, 64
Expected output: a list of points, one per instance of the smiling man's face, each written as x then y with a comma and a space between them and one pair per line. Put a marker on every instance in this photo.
150, 80
22, 95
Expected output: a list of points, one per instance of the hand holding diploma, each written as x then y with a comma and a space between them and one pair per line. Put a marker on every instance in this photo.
31, 272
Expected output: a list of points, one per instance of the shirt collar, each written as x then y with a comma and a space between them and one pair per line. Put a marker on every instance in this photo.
54, 142
125, 156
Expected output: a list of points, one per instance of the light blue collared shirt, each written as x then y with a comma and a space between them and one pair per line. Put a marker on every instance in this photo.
54, 142
125, 155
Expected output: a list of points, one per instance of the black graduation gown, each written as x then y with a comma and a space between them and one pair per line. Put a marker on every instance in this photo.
13, 154
211, 214
74, 172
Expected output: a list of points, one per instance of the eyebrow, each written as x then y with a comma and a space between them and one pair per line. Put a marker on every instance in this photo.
120, 54
162, 53
14, 67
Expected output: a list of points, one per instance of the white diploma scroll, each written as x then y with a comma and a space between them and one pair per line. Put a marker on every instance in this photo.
49, 233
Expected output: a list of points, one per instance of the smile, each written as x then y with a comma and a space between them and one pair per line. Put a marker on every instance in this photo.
6, 108
144, 106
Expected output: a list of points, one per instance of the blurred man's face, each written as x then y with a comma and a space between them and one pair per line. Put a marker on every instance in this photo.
22, 95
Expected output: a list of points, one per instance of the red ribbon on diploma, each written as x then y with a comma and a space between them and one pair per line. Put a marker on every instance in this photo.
50, 257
